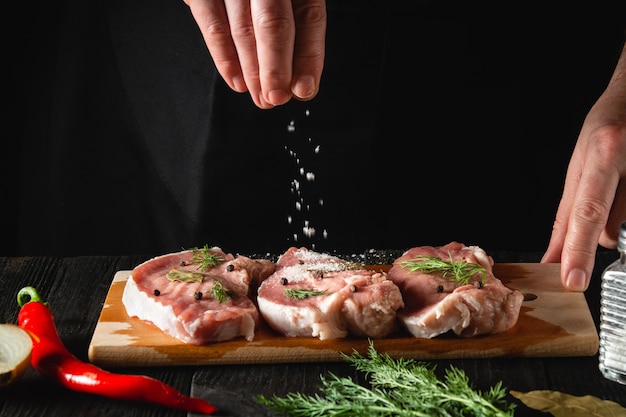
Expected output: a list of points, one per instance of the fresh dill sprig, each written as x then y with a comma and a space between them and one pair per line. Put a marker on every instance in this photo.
397, 387
205, 258
220, 293
301, 294
459, 271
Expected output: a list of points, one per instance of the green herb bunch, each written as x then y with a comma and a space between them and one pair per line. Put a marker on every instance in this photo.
399, 388
205, 258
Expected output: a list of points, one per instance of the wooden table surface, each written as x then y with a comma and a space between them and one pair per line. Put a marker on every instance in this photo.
76, 288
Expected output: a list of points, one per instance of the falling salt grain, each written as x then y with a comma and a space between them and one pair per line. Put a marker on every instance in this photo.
302, 203
308, 231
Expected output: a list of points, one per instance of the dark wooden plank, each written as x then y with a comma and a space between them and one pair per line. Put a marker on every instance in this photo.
34, 395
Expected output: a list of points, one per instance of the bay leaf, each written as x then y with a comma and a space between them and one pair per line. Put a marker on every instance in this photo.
184, 276
560, 404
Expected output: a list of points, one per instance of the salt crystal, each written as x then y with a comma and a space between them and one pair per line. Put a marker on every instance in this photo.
308, 231
301, 193
292, 126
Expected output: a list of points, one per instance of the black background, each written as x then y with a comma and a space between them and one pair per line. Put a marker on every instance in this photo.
123, 139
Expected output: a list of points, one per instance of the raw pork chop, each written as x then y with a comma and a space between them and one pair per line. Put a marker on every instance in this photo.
435, 304
312, 294
213, 306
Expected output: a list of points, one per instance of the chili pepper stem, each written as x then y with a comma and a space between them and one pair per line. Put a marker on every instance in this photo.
28, 294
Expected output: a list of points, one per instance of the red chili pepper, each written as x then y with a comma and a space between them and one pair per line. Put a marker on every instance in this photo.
50, 357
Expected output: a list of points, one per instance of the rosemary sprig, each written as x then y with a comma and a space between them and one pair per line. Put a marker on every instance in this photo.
205, 258
459, 271
220, 293
397, 387
301, 294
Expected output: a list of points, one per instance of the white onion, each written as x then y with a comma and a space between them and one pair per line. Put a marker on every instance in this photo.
15, 350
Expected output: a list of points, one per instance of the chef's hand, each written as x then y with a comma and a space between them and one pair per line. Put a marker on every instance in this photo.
274, 49
593, 204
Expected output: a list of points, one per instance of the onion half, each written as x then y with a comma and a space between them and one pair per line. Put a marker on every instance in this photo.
15, 350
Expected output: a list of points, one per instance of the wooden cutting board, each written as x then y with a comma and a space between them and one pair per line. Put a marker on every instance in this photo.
552, 322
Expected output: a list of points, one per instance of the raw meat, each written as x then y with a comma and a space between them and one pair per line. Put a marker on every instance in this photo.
435, 304
344, 299
191, 311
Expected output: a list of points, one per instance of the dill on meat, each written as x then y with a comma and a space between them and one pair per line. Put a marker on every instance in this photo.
459, 271
205, 258
220, 293
301, 293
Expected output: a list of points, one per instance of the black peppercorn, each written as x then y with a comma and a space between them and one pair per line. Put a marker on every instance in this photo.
183, 263
284, 281
354, 288
317, 274
439, 288
197, 295
230, 267
156, 292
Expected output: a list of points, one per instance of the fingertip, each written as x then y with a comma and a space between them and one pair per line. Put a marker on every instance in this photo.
261, 102
238, 84
278, 97
576, 280
304, 88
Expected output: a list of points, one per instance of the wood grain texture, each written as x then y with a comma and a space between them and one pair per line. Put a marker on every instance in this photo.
553, 323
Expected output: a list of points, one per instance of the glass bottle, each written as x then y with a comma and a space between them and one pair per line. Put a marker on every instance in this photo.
613, 315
